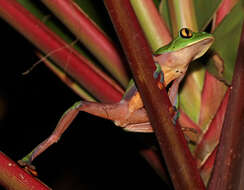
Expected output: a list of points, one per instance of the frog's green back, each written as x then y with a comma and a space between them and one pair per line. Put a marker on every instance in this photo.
183, 40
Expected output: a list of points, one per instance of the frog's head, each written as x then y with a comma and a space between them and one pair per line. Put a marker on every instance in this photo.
194, 44
175, 57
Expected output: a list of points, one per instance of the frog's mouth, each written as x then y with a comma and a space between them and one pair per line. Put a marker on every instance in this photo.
203, 47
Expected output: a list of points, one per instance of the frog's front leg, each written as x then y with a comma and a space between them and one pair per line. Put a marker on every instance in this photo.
173, 90
115, 112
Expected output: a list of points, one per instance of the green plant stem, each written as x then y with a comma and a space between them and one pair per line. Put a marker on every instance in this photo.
152, 24
182, 14
91, 36
181, 165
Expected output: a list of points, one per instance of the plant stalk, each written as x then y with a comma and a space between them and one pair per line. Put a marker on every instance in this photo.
228, 168
91, 36
153, 25
79, 67
14, 178
180, 163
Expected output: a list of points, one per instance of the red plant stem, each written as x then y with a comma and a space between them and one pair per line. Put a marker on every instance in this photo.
207, 168
66, 57
223, 10
14, 178
180, 163
211, 137
228, 168
155, 160
91, 35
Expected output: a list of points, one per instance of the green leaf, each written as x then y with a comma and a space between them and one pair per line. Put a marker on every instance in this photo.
205, 10
227, 37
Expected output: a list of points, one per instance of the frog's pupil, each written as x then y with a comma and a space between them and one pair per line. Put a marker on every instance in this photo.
187, 32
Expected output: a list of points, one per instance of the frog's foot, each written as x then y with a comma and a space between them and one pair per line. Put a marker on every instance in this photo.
26, 164
158, 72
26, 160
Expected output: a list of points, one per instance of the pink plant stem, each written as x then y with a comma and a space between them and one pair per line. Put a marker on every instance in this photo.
14, 178
66, 57
228, 168
210, 139
90, 35
180, 163
207, 168
224, 9
212, 95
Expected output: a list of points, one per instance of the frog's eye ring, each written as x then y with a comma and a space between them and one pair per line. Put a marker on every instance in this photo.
185, 33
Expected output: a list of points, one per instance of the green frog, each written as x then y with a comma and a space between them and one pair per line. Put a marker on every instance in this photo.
171, 63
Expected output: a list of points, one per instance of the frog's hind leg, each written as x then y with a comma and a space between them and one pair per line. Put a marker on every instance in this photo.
115, 112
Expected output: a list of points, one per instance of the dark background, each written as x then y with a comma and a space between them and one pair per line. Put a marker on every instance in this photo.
93, 150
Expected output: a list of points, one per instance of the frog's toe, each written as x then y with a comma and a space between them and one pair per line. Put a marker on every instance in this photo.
176, 115
28, 167
158, 72
162, 77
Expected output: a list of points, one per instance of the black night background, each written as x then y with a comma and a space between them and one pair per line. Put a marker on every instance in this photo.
92, 151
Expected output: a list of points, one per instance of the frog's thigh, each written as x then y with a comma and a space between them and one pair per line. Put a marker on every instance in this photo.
135, 103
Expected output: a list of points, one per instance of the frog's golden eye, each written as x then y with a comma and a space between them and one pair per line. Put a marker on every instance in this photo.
185, 33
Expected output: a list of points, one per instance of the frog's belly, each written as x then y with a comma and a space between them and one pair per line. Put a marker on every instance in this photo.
136, 103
